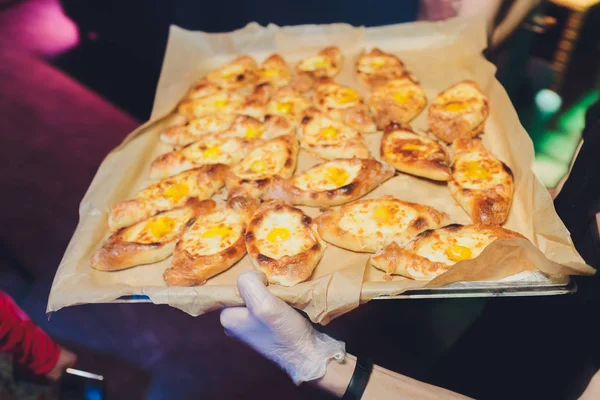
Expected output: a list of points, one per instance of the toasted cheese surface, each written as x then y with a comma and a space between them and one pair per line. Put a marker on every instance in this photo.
479, 171
264, 161
158, 229
386, 216
327, 176
215, 151
282, 233
214, 233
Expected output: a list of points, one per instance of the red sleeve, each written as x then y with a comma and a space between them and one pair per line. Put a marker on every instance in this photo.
29, 345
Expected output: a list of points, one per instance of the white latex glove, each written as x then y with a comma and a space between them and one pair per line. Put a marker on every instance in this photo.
278, 332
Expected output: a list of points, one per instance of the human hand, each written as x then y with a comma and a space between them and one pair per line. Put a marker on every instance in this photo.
66, 359
278, 332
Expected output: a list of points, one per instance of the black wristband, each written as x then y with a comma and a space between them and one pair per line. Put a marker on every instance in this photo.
359, 380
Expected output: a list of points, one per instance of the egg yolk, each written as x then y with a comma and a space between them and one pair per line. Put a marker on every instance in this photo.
456, 106
378, 62
160, 227
329, 132
177, 192
211, 152
284, 107
315, 63
401, 97
268, 73
412, 147
382, 214
258, 166
253, 133
217, 231
458, 253
278, 235
347, 96
336, 176
474, 170
220, 103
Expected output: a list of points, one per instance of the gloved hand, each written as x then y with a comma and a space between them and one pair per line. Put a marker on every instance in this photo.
278, 332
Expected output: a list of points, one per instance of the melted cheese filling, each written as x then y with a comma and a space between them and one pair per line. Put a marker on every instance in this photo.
158, 229
264, 161
479, 171
176, 192
452, 248
227, 151
380, 218
213, 233
327, 176
283, 234
209, 124
314, 63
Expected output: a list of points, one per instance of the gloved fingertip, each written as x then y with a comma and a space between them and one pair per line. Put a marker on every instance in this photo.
232, 317
250, 277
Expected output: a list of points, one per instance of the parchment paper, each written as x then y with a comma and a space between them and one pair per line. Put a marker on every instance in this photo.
439, 54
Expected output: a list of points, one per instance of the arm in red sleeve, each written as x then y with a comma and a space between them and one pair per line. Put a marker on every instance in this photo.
28, 344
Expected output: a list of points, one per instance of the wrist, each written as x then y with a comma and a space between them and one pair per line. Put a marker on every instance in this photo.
338, 375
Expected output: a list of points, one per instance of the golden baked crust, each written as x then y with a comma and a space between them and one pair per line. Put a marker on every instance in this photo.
255, 104
221, 102
285, 111
193, 265
414, 154
145, 242
331, 183
274, 71
458, 112
197, 129
272, 159
202, 88
327, 63
398, 100
480, 183
368, 225
167, 194
376, 67
330, 139
210, 151
435, 251
236, 74
289, 269
344, 104
243, 127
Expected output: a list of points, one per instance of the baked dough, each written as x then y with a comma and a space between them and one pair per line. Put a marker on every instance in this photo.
398, 100
330, 139
213, 243
273, 159
274, 71
211, 151
285, 111
327, 63
197, 129
331, 183
376, 67
167, 194
146, 242
459, 112
368, 225
433, 252
283, 243
480, 183
414, 154
344, 104
236, 74
221, 102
